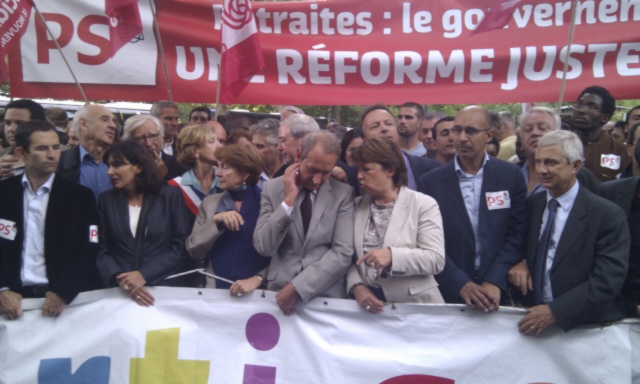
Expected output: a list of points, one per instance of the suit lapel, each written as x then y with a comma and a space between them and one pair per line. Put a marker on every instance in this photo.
398, 217
573, 228
360, 222
455, 195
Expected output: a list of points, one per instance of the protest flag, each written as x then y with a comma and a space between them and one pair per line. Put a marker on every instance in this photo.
124, 22
498, 16
12, 27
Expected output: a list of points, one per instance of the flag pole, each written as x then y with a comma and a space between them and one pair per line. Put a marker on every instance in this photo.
164, 60
84, 97
566, 57
215, 116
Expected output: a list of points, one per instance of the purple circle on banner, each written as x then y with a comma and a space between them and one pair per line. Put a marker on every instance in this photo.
263, 331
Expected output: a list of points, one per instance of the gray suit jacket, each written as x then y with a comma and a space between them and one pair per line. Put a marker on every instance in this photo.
315, 264
416, 239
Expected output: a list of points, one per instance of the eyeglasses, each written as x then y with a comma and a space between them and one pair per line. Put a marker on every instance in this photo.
143, 139
469, 131
586, 106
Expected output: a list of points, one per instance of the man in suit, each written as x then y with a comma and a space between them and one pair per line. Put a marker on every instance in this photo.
577, 248
306, 226
482, 202
96, 128
167, 113
49, 232
378, 121
626, 193
148, 131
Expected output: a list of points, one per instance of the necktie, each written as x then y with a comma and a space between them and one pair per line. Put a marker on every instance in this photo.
305, 209
542, 250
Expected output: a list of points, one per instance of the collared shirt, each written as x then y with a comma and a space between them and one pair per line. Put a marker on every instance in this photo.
168, 147
471, 188
525, 173
418, 150
289, 210
189, 178
263, 179
565, 204
93, 175
411, 179
34, 269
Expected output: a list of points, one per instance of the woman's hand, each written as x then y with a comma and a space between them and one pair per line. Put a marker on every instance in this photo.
133, 284
378, 258
367, 299
245, 287
230, 219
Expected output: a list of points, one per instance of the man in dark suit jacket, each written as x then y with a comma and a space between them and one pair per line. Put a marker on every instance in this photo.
482, 202
378, 121
577, 248
56, 258
625, 193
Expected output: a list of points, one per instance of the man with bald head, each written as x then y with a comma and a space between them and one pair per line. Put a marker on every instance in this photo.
482, 201
378, 121
221, 132
96, 128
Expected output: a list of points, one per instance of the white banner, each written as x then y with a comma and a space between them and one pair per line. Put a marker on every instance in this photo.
205, 336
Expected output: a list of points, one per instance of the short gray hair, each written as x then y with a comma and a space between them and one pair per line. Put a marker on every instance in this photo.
83, 113
326, 140
267, 128
508, 119
545, 110
291, 108
569, 143
158, 106
301, 125
137, 121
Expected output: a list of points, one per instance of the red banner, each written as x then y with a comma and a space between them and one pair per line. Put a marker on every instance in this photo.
342, 52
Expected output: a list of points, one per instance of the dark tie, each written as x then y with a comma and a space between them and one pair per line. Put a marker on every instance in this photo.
542, 251
306, 208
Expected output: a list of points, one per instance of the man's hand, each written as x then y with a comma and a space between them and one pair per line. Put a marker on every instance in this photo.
378, 258
232, 220
291, 185
162, 167
339, 174
287, 298
493, 293
520, 277
538, 320
133, 284
53, 305
7, 162
245, 286
476, 296
10, 304
367, 299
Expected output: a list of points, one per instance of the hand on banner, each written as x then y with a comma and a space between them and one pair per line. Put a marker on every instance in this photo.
493, 293
476, 296
53, 305
7, 162
232, 220
10, 304
538, 320
367, 299
133, 284
245, 286
519, 276
291, 184
286, 299
378, 258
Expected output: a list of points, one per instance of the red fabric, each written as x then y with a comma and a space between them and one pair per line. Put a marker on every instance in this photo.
498, 16
11, 30
238, 65
124, 22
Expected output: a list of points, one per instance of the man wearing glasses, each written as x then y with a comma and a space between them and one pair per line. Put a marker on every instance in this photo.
148, 131
604, 156
482, 202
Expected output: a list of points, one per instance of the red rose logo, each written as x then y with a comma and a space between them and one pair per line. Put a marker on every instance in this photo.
237, 13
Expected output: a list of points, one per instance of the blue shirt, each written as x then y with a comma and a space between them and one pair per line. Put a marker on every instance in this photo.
471, 188
564, 208
411, 180
93, 175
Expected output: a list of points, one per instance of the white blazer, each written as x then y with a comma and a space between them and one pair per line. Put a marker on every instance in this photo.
416, 239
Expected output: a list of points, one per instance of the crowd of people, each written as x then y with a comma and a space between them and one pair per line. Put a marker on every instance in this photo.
414, 207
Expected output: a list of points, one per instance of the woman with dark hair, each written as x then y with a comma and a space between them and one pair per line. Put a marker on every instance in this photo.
223, 231
350, 142
399, 240
143, 224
